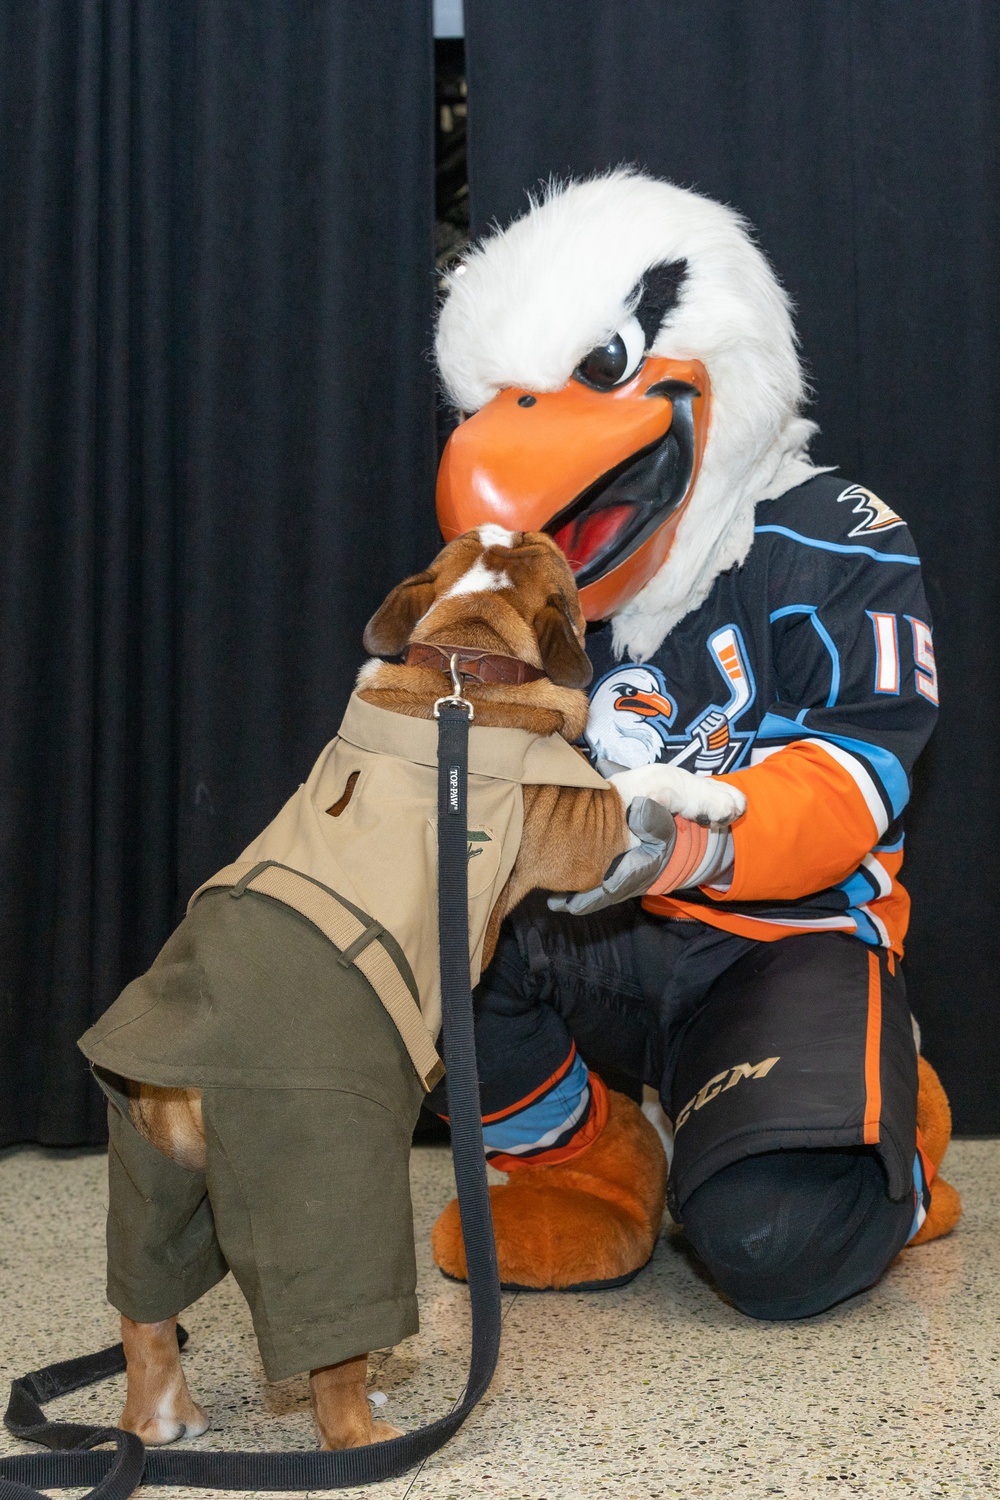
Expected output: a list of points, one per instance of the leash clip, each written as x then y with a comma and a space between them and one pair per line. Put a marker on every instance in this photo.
457, 699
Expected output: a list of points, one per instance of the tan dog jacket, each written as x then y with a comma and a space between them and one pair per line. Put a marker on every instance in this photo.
380, 853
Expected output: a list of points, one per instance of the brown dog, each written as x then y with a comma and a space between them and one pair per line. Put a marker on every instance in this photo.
501, 599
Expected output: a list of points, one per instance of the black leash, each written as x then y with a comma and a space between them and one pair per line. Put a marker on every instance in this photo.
114, 1476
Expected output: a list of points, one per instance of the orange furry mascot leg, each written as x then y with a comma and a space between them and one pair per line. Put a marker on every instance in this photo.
591, 1220
934, 1133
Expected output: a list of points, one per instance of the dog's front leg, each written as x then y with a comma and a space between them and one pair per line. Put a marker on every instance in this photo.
341, 1407
571, 835
158, 1404
569, 838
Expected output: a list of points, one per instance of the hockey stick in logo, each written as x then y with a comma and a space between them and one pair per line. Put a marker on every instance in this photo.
711, 733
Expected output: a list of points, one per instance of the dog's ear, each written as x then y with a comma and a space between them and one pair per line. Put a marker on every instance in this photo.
391, 626
564, 659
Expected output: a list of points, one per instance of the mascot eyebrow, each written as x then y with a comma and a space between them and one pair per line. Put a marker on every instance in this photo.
658, 292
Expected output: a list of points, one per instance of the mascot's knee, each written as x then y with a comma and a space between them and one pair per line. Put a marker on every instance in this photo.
731, 1224
788, 1234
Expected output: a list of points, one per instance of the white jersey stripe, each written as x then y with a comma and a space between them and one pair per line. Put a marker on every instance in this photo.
879, 874
756, 756
878, 924
842, 924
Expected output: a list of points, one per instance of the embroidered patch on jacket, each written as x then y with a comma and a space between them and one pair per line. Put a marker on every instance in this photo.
485, 855
478, 837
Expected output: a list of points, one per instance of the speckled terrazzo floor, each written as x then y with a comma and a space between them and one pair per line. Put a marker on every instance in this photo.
656, 1390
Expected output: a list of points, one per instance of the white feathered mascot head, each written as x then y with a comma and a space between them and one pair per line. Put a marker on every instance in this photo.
627, 364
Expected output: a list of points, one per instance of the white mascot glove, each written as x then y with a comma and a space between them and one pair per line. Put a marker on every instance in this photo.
703, 799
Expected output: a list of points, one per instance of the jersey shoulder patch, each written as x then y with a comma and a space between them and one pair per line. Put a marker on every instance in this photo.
829, 513
875, 514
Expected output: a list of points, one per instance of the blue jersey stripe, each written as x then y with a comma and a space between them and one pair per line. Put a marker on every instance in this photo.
858, 889
921, 1196
825, 637
544, 1118
866, 929
811, 541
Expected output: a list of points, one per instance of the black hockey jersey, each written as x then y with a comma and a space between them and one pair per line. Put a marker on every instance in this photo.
807, 678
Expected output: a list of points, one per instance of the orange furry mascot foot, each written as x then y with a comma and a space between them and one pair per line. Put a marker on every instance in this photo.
589, 1222
934, 1131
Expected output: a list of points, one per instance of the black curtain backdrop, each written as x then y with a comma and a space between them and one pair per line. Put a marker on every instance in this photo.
861, 140
216, 456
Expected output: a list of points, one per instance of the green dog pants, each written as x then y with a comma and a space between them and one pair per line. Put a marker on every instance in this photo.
305, 1196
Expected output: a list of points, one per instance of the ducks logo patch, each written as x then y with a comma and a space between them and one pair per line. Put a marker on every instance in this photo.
633, 717
875, 514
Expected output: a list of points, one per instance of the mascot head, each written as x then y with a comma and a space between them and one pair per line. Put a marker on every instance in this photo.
626, 363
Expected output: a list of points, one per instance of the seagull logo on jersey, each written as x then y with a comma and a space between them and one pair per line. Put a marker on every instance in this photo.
631, 713
875, 514
633, 717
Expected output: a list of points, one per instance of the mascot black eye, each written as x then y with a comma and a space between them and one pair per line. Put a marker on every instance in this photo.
616, 361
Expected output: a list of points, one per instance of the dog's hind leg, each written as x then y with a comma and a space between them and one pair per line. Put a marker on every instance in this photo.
169, 1119
158, 1406
341, 1407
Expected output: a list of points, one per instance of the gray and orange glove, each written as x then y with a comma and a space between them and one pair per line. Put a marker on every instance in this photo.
667, 854
671, 851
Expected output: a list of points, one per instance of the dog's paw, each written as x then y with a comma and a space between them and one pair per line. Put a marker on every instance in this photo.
703, 799
354, 1434
167, 1424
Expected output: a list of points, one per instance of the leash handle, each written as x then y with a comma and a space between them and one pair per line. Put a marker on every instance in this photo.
115, 1476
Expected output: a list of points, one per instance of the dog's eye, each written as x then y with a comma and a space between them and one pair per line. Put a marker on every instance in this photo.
616, 361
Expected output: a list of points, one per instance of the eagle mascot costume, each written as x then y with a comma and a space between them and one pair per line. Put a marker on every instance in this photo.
624, 362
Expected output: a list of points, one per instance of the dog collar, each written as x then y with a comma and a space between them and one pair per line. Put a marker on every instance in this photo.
476, 666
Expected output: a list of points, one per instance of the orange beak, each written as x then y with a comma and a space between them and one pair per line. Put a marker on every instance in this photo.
648, 705
608, 474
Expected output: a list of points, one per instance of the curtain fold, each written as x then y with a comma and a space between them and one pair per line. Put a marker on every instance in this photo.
861, 141
216, 456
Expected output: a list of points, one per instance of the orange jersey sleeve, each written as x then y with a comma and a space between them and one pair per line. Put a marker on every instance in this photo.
808, 825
